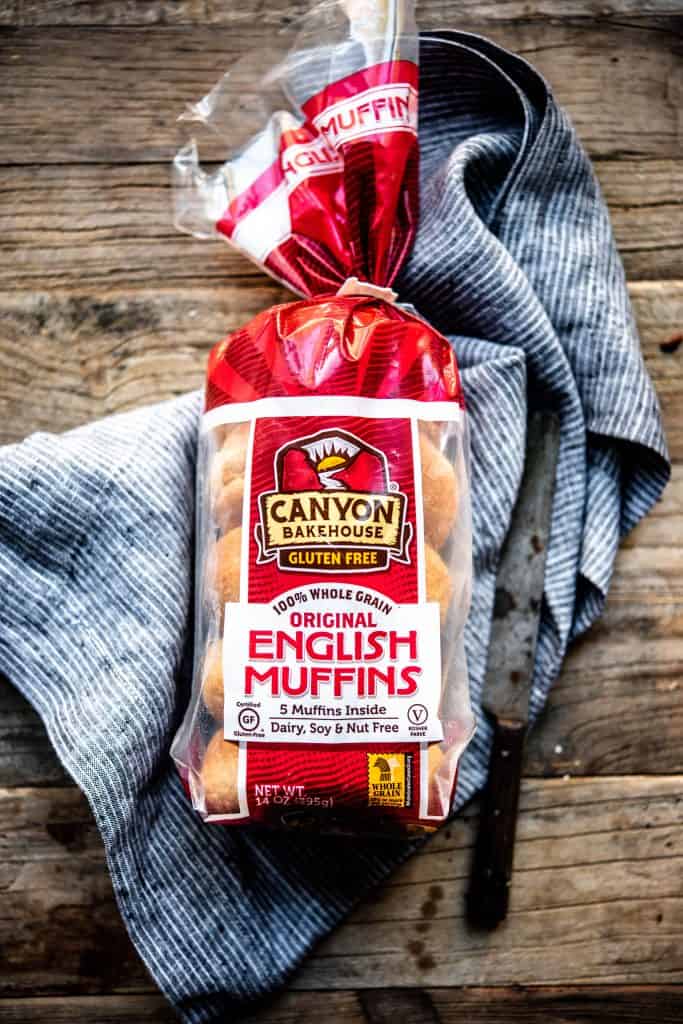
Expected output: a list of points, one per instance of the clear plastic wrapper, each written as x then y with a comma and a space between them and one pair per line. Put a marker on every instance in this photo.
333, 527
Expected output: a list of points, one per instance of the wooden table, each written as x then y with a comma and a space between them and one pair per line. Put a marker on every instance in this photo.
104, 307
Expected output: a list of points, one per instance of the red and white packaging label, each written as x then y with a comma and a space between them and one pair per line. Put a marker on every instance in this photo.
331, 663
333, 640
384, 108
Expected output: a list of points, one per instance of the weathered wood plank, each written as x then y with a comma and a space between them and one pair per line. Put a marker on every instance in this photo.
632, 1005
111, 225
106, 225
88, 1010
60, 929
113, 95
78, 358
650, 563
616, 707
606, 1004
225, 12
659, 312
645, 199
580, 905
597, 895
67, 357
26, 754
146, 1009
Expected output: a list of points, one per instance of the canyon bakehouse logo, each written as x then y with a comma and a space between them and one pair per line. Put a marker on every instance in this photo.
334, 508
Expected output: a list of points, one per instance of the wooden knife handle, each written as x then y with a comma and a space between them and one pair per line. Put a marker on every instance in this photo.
487, 898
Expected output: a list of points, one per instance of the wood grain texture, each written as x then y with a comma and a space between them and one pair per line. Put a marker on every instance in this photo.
645, 199
60, 929
226, 12
519, 1005
67, 357
596, 896
143, 1009
26, 754
607, 1004
580, 903
650, 562
105, 226
80, 357
616, 707
659, 313
113, 95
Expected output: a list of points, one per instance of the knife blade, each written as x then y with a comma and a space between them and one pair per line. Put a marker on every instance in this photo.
510, 668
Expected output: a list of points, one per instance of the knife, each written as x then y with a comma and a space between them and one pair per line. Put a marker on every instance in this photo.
510, 669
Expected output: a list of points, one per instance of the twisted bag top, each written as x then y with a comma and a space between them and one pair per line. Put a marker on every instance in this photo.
327, 189
514, 259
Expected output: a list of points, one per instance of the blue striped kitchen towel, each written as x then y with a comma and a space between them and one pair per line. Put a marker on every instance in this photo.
515, 261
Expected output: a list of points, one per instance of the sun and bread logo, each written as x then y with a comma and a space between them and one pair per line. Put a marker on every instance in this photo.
334, 508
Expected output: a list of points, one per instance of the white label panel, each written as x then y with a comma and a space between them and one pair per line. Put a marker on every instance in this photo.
332, 664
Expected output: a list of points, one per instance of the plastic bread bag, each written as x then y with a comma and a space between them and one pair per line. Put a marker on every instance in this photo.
333, 561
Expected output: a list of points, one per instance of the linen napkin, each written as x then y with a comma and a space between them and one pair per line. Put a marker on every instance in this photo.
515, 262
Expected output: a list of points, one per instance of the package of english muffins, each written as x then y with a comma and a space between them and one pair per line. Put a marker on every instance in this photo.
333, 552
